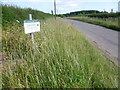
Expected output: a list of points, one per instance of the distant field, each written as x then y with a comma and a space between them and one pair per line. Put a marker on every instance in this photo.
109, 21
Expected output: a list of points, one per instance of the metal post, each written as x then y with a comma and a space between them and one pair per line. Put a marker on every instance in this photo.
31, 34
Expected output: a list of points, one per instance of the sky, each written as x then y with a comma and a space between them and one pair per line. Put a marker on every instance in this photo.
65, 6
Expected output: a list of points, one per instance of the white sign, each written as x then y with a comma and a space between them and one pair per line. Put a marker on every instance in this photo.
31, 26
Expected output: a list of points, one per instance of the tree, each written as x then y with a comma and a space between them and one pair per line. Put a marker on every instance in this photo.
111, 10
52, 12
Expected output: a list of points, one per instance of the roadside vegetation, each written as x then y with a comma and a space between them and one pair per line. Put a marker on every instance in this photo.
108, 20
62, 58
12, 13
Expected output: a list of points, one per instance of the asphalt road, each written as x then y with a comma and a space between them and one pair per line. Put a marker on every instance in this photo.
103, 38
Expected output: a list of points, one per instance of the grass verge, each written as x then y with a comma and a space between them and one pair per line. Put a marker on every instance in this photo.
111, 23
63, 58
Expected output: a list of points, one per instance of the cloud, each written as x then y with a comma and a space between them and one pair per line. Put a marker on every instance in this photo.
67, 6
34, 1
60, 1
88, 0
72, 4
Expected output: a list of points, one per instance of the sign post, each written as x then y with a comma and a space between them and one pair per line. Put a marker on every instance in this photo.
31, 34
31, 26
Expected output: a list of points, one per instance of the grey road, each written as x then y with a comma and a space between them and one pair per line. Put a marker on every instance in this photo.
103, 38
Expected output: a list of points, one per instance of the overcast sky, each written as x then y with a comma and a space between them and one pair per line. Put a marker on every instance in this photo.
66, 6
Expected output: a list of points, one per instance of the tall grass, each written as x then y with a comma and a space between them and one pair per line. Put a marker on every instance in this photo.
63, 58
111, 22
104, 15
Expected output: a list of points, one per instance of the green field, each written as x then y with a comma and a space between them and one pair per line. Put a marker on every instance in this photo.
106, 20
62, 58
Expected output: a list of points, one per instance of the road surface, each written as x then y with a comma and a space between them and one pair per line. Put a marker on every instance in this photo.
105, 39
